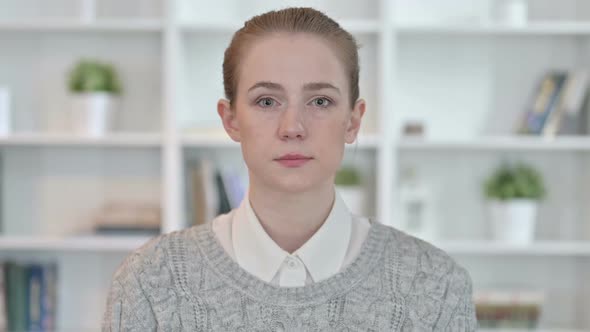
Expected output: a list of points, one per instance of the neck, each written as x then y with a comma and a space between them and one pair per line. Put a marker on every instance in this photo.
291, 219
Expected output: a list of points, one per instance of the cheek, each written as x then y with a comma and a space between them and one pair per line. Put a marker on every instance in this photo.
330, 140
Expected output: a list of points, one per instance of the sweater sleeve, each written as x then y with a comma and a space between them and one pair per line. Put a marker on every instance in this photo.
460, 314
128, 308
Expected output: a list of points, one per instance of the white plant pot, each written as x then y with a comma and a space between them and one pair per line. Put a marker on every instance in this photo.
513, 221
92, 113
5, 112
355, 199
513, 12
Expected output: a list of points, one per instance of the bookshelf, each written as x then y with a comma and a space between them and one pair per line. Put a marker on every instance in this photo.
91, 243
498, 143
541, 248
466, 80
69, 25
70, 140
533, 29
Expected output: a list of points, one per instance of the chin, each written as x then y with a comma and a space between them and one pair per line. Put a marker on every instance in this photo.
293, 184
293, 187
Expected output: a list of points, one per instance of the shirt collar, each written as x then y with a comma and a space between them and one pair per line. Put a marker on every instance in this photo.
323, 254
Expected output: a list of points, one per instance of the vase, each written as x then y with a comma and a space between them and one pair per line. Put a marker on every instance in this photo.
5, 112
513, 221
92, 113
355, 199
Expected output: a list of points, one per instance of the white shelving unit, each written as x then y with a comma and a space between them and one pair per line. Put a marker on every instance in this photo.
466, 81
532, 29
65, 140
78, 244
541, 248
498, 143
114, 25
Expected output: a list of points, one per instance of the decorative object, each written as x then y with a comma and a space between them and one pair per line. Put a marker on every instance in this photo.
88, 10
416, 210
432, 12
413, 129
502, 309
514, 193
5, 112
94, 86
349, 186
513, 12
122, 218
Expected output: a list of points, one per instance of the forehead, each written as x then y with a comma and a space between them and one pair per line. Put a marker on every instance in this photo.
292, 60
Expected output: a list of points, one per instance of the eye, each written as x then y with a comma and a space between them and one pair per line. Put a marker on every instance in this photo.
266, 102
321, 102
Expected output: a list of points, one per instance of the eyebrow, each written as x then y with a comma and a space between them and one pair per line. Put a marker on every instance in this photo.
307, 87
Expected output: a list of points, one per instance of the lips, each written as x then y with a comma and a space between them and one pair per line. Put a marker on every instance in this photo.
293, 160
293, 156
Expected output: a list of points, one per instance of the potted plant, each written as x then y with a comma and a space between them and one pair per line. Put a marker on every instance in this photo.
513, 194
349, 186
94, 86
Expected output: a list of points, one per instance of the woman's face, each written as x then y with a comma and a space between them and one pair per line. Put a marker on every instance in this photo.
292, 112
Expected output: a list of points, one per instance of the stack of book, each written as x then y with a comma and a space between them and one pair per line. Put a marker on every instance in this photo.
128, 218
508, 309
559, 105
211, 191
28, 297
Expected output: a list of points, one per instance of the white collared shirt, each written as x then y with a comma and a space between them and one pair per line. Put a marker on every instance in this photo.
334, 246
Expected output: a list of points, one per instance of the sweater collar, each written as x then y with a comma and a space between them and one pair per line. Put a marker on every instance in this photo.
323, 254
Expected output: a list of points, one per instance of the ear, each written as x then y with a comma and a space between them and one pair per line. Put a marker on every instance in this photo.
229, 119
354, 123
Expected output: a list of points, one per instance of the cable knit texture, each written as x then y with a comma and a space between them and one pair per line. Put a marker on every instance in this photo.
185, 281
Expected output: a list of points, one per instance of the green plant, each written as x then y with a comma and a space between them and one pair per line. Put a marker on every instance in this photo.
515, 182
347, 176
94, 76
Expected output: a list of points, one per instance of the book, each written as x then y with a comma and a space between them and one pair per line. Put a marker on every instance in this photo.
3, 313
49, 297
1, 193
16, 295
235, 187
571, 116
128, 218
28, 298
508, 308
224, 204
203, 199
544, 102
35, 289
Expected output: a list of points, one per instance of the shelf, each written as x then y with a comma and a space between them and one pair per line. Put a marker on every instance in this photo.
525, 330
216, 139
360, 26
221, 140
515, 143
116, 25
541, 248
365, 141
353, 26
78, 243
535, 28
66, 140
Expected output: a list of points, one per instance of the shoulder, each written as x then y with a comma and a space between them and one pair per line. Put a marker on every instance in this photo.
433, 283
157, 257
420, 257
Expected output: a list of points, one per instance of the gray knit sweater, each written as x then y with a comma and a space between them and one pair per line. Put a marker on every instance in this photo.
185, 281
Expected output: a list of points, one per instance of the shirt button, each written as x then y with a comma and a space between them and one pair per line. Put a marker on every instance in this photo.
291, 263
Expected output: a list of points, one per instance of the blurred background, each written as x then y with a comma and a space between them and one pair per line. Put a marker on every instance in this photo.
475, 139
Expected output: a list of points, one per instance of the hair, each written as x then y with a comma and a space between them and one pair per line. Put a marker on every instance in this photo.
291, 20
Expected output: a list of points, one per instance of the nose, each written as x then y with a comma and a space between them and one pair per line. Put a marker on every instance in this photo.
292, 124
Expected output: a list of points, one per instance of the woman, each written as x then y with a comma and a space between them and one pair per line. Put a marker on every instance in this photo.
291, 257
